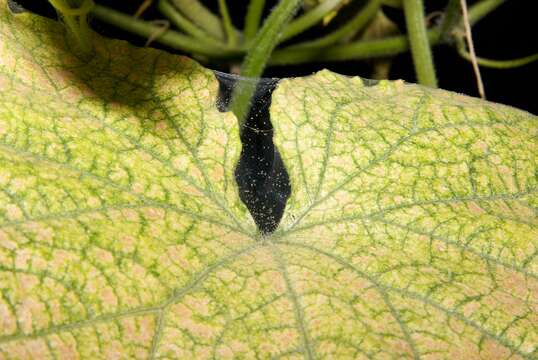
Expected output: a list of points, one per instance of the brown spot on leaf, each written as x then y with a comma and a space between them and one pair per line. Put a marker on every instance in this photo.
108, 297
154, 213
475, 208
13, 212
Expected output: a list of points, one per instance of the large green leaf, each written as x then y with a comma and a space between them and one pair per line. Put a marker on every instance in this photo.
411, 230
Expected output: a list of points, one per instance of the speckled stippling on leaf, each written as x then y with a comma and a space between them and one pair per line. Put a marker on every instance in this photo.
411, 231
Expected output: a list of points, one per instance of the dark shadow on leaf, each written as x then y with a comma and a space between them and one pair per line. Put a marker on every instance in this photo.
125, 78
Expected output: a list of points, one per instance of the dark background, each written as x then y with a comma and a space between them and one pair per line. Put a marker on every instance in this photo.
506, 33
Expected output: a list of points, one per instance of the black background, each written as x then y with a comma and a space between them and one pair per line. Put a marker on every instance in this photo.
506, 33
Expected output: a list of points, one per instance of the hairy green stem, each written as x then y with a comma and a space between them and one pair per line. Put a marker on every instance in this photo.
496, 64
354, 51
393, 3
268, 38
451, 18
259, 53
231, 33
170, 38
202, 17
309, 19
418, 39
185, 24
291, 55
482, 8
363, 16
366, 49
85, 32
253, 18
65, 8
76, 22
503, 64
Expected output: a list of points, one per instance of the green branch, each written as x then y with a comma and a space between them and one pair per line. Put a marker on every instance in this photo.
418, 39
451, 18
354, 51
496, 64
393, 3
309, 19
323, 49
76, 22
170, 38
268, 37
259, 53
181, 22
231, 33
363, 16
361, 49
482, 8
202, 17
253, 18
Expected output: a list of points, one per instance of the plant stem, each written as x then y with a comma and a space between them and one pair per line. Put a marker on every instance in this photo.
355, 51
259, 53
268, 38
393, 3
170, 38
231, 33
496, 64
452, 17
368, 49
309, 19
291, 55
66, 9
482, 8
202, 17
85, 33
354, 25
185, 24
253, 18
76, 21
418, 39
476, 13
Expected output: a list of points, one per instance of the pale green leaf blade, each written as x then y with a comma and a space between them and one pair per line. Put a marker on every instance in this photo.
412, 228
411, 231
117, 196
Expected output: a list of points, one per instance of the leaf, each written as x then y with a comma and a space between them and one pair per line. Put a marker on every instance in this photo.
411, 230
117, 196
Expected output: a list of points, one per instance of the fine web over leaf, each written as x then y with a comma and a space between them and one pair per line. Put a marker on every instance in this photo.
262, 180
411, 230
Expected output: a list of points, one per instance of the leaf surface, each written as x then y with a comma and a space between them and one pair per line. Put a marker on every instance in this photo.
411, 231
412, 228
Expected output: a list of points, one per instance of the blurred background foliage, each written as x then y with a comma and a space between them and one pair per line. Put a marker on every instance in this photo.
354, 37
